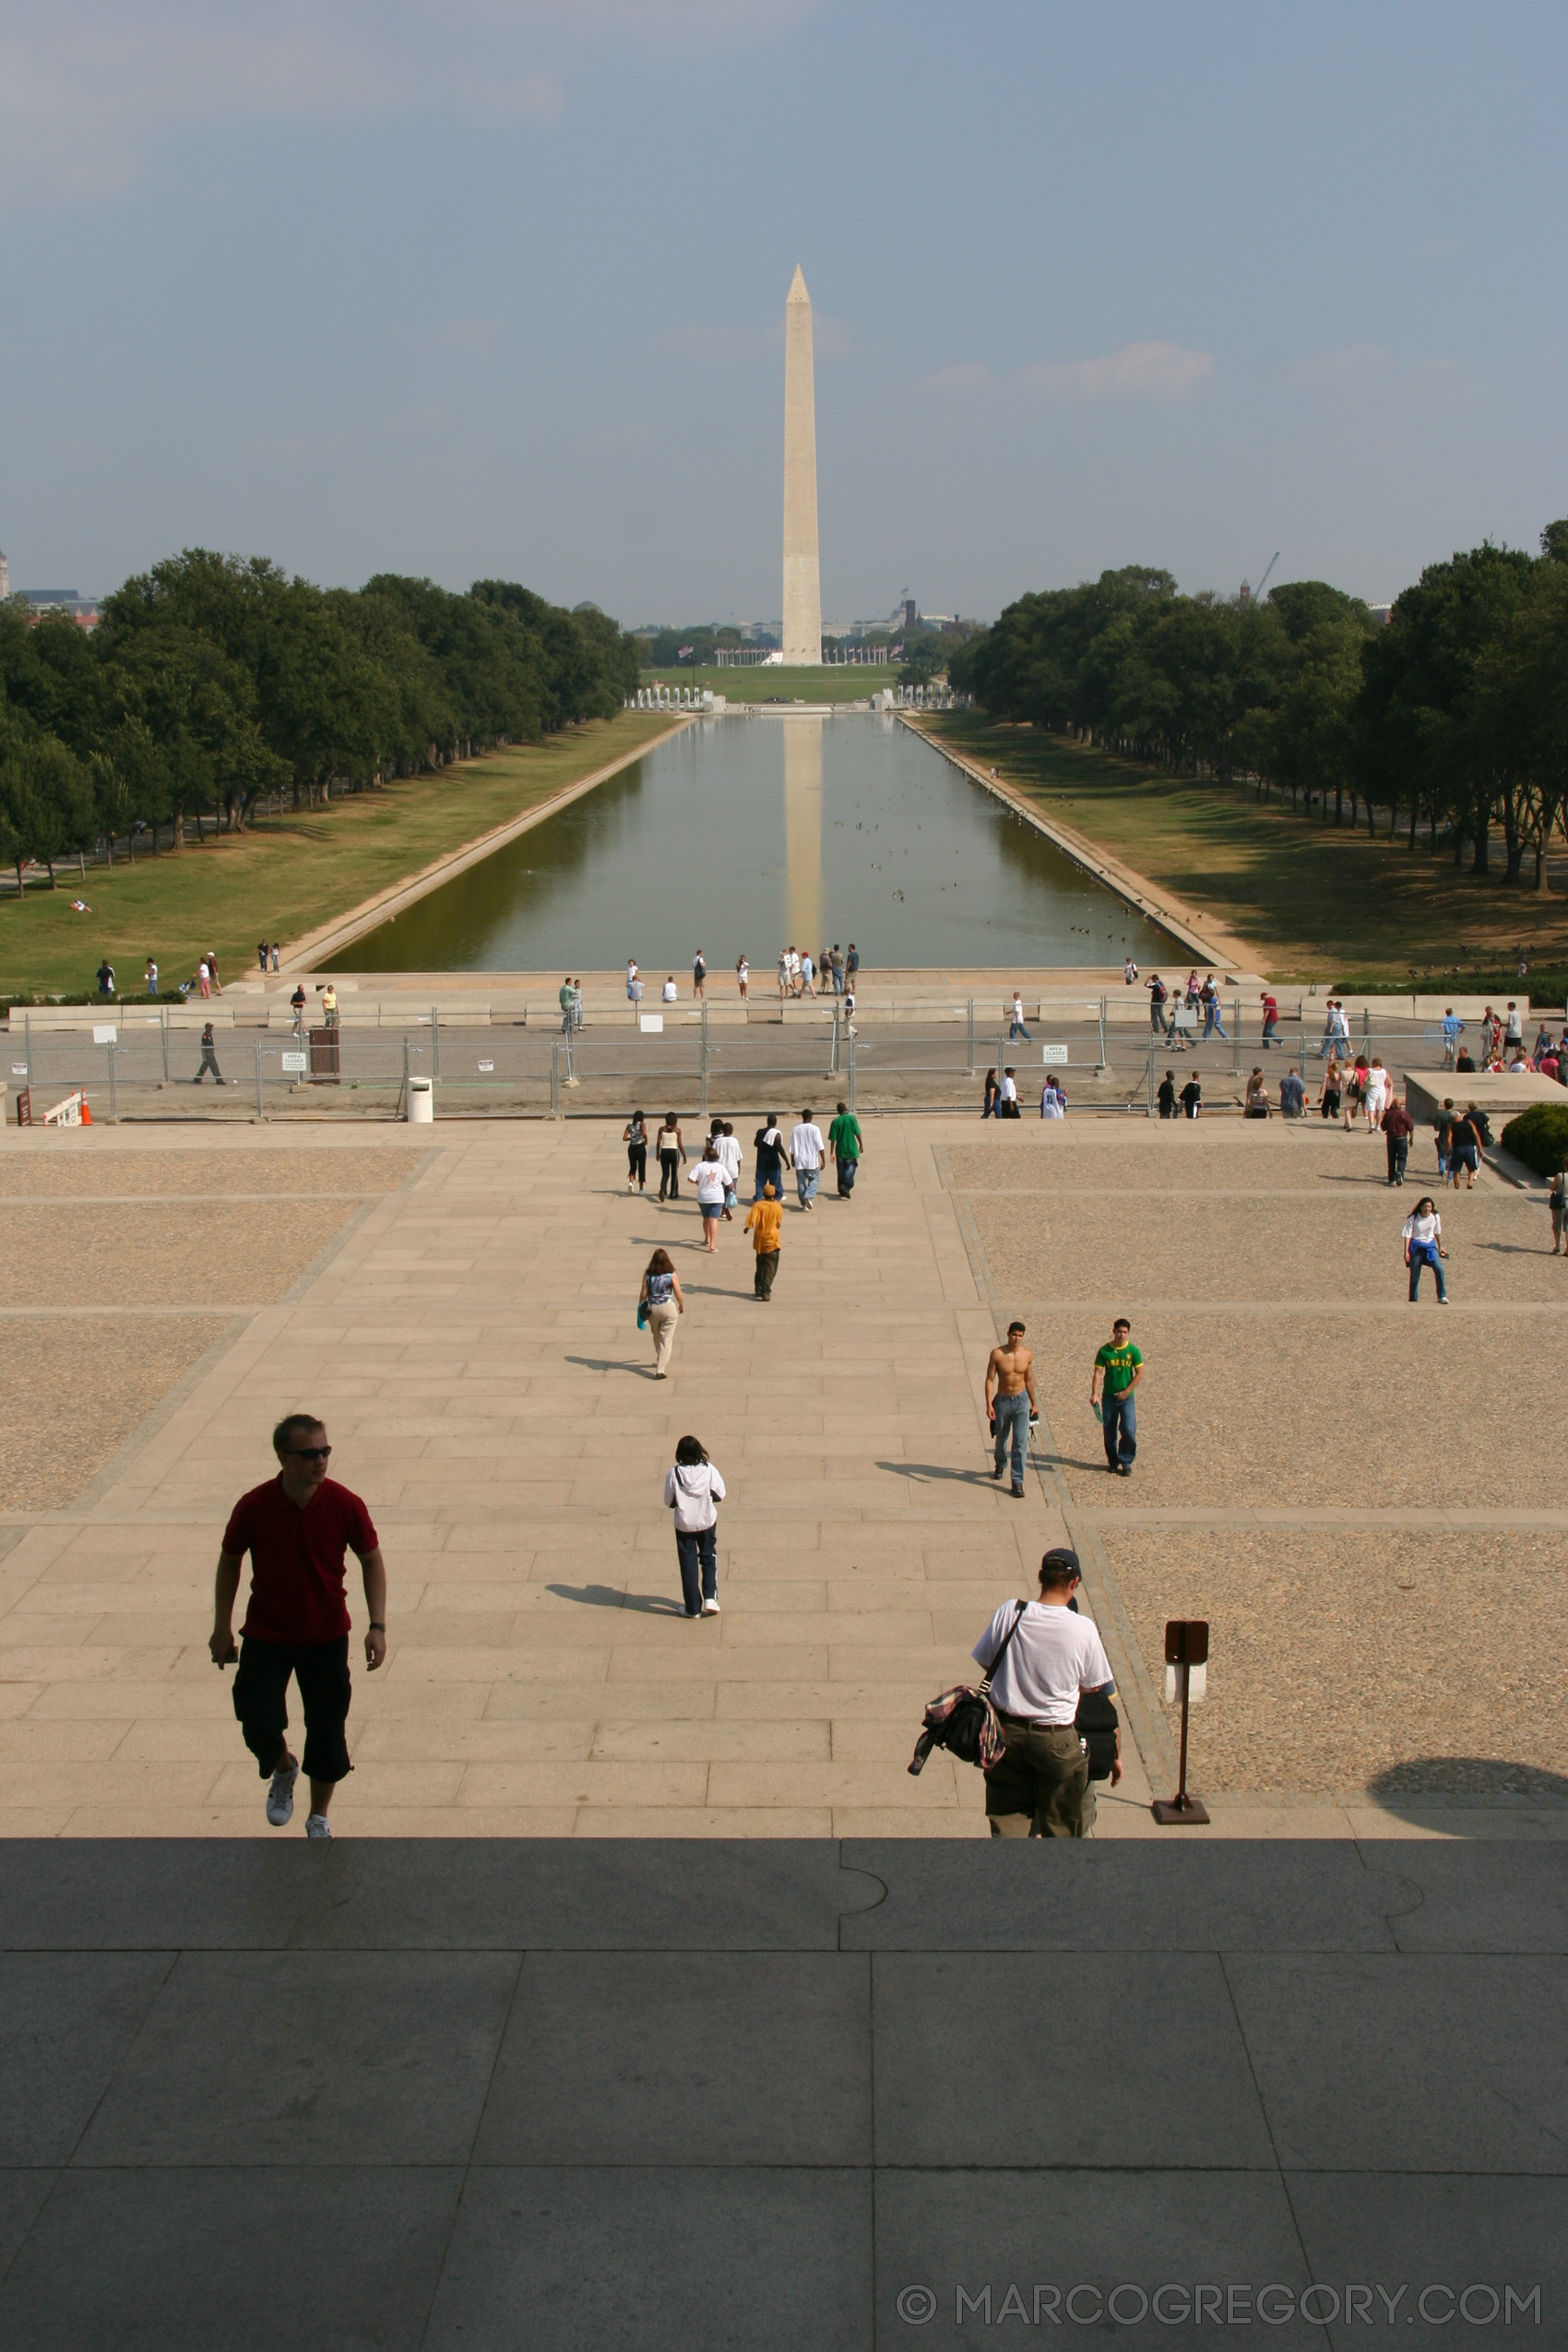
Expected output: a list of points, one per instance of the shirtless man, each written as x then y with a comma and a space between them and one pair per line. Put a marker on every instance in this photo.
1010, 1401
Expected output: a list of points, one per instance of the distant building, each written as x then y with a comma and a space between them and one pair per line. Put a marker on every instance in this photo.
1384, 613
82, 609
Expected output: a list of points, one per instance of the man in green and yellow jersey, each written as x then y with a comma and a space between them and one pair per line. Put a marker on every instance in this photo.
1118, 1369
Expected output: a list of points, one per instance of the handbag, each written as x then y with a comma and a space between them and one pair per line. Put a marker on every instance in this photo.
964, 1721
642, 1314
1095, 1724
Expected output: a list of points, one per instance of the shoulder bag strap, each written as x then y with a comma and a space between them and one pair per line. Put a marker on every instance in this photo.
1002, 1650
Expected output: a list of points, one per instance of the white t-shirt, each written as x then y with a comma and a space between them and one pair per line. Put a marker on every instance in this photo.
670, 991
1423, 1229
806, 1145
695, 1490
709, 1178
1052, 1105
728, 1150
1055, 1655
1008, 1090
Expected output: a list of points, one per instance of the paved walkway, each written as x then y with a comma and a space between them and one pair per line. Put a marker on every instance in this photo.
470, 1334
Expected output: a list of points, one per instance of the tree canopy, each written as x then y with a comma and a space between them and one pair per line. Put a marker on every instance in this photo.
214, 680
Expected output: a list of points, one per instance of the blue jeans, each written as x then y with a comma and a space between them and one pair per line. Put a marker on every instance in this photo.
698, 1555
1016, 1028
1012, 1420
806, 1183
1213, 1025
1119, 1422
1425, 1253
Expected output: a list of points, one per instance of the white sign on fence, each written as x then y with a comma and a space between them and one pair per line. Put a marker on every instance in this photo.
486, 1065
295, 1061
105, 1033
1048, 1053
18, 1069
650, 1021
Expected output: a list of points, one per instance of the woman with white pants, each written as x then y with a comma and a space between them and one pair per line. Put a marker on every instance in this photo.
662, 1302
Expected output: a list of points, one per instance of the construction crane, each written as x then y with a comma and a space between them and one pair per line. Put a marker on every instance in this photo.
1257, 592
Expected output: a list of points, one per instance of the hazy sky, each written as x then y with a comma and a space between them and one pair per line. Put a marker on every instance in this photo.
470, 287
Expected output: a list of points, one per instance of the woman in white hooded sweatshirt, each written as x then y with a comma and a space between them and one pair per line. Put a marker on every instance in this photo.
694, 1491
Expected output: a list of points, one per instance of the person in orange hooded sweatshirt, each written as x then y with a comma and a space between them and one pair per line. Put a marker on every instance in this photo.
765, 1222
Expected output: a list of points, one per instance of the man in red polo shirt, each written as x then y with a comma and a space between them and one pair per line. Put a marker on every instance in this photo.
297, 1529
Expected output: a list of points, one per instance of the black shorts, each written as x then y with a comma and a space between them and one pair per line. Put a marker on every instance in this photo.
321, 1671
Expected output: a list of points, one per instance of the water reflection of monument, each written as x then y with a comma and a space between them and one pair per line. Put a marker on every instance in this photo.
802, 832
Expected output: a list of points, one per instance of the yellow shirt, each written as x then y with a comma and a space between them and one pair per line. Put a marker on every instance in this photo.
767, 1217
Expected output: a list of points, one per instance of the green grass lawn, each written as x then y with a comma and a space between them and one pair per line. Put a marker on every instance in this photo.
835, 682
1317, 902
291, 874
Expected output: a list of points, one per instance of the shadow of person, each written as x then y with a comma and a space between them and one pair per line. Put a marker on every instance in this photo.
1409, 1789
606, 1363
611, 1597
927, 1471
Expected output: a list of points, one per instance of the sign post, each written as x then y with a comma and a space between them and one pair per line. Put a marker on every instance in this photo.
1186, 1655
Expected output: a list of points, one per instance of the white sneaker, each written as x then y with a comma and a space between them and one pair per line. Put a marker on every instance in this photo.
710, 1608
317, 1825
280, 1796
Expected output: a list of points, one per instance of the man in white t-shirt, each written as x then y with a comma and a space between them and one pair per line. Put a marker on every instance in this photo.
1007, 1094
1040, 1786
806, 1149
670, 991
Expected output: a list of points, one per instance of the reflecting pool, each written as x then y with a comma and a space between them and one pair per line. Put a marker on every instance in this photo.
744, 835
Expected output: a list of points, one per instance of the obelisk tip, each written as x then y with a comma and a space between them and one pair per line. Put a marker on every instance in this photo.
798, 287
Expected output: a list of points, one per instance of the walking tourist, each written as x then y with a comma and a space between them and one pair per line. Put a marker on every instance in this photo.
209, 1057
1379, 1090
806, 1149
1557, 1202
1292, 1094
1513, 1026
634, 981
564, 998
203, 978
765, 1223
152, 977
297, 1003
1254, 1102
807, 973
1166, 1097
1129, 970
1355, 1091
1213, 1025
743, 978
1270, 1016
1464, 1148
844, 1142
297, 1529
1328, 1101
852, 966
261, 955
1118, 1368
329, 1005
1397, 1129
1052, 1101
730, 1157
768, 1145
276, 952
671, 1151
634, 1134
1453, 1030
1011, 1404
990, 1097
578, 1004
694, 1490
699, 975
708, 1177
1443, 1133
1042, 1656
837, 969
213, 968
1422, 1233
662, 1302
1007, 1094
783, 974
1158, 992
1193, 1098
1015, 1026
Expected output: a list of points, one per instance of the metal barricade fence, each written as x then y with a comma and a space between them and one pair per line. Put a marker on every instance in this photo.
130, 1061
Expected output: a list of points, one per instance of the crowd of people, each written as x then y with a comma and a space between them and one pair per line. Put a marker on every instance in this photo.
832, 971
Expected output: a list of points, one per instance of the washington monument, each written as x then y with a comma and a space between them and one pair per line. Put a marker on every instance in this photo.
802, 582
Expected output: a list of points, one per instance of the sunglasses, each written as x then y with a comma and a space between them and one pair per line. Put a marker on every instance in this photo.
309, 1453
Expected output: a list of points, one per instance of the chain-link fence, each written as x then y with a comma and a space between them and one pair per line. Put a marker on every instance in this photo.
932, 1056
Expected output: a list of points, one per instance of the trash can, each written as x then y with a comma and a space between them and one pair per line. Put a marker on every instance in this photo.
421, 1112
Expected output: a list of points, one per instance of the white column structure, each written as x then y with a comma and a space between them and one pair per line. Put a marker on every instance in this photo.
802, 580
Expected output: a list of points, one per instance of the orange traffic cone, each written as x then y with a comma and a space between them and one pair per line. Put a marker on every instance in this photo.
86, 1115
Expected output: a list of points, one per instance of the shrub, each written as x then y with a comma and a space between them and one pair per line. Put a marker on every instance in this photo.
1539, 1137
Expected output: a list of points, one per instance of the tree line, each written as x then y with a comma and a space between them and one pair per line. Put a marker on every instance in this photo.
212, 682
1451, 718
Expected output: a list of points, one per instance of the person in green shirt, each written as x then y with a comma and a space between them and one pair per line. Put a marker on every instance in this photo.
844, 1142
1118, 1369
